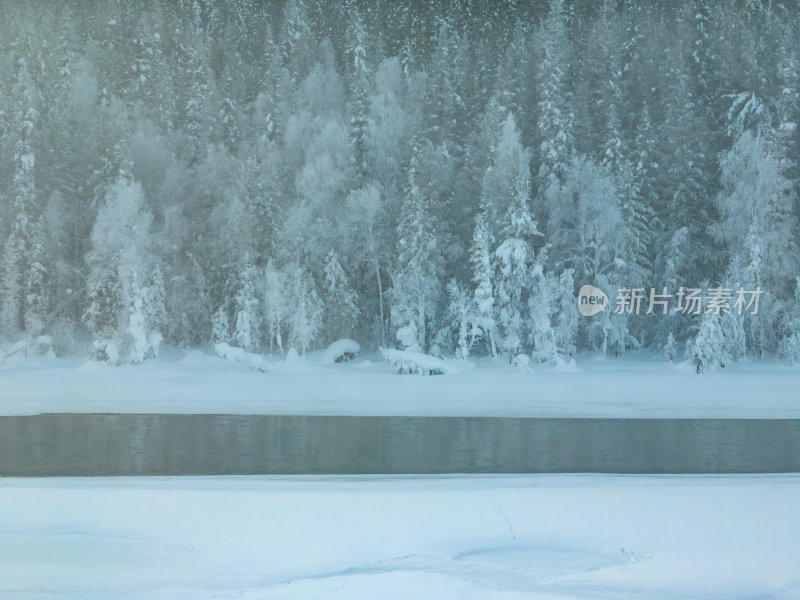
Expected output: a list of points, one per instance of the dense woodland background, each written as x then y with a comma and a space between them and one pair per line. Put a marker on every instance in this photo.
277, 175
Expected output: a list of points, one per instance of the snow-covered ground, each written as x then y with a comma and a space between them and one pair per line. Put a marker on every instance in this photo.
199, 382
543, 537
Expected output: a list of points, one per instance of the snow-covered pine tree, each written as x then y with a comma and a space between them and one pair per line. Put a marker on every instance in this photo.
388, 127
305, 319
589, 232
340, 301
670, 351
683, 192
565, 320
220, 326
464, 318
637, 215
705, 350
542, 303
120, 327
360, 82
415, 291
228, 124
16, 257
757, 224
509, 175
790, 342
247, 316
198, 98
555, 124
720, 336
482, 275
137, 337
155, 301
188, 306
369, 252
36, 302
275, 302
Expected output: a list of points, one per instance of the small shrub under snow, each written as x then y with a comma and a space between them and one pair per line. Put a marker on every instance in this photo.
410, 362
340, 351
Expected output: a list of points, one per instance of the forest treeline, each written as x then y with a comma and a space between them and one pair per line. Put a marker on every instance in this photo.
283, 174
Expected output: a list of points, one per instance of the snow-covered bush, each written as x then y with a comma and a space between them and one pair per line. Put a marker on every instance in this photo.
242, 357
410, 362
340, 351
670, 351
37, 346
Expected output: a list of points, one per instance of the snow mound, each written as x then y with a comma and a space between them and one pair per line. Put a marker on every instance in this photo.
410, 362
241, 356
343, 350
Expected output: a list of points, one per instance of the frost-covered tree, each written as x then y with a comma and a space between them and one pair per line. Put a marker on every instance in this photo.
758, 225
117, 318
220, 327
565, 319
246, 333
507, 182
705, 350
305, 319
275, 301
790, 344
36, 302
670, 351
187, 304
555, 124
360, 72
340, 300
482, 274
542, 303
416, 288
16, 259
464, 317
137, 337
720, 338
287, 130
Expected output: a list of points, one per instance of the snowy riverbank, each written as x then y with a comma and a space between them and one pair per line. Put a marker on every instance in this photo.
198, 382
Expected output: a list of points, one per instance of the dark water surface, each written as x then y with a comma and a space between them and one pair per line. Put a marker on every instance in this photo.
137, 444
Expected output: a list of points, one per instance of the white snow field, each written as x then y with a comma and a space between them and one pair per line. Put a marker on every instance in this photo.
555, 537
641, 385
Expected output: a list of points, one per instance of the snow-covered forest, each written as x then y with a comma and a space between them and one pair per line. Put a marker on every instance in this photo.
283, 174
